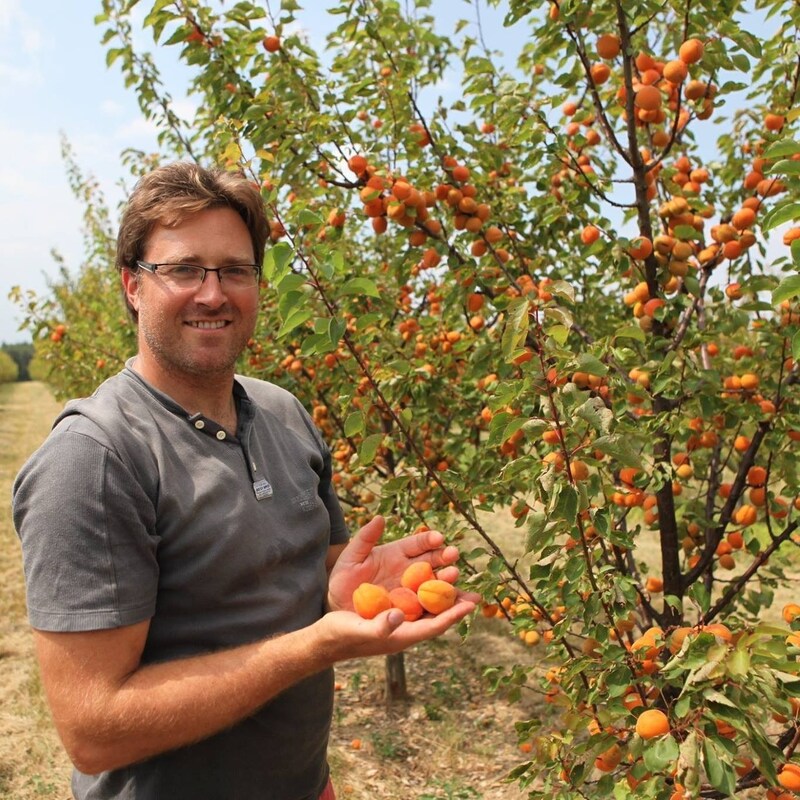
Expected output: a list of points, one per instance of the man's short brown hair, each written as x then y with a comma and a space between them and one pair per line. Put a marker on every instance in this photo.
171, 193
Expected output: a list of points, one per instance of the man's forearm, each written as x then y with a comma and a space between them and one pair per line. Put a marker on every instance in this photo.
160, 707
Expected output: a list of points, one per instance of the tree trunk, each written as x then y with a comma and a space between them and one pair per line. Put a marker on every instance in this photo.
395, 678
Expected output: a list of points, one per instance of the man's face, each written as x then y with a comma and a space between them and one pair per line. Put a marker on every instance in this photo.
202, 331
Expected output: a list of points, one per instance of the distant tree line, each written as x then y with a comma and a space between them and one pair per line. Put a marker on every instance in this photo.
15, 362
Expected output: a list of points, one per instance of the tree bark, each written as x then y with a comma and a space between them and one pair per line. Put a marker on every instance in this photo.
395, 678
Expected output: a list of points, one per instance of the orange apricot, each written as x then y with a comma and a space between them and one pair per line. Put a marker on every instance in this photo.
654, 584
416, 574
677, 638
272, 44
789, 777
676, 71
652, 723
369, 600
357, 164
773, 122
436, 596
741, 443
719, 630
578, 470
608, 760
590, 234
608, 46
648, 98
407, 601
743, 218
641, 248
691, 51
790, 612
599, 73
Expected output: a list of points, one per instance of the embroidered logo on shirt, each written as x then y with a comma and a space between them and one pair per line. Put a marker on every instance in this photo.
305, 500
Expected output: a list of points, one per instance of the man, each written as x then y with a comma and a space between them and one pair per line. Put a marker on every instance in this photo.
188, 569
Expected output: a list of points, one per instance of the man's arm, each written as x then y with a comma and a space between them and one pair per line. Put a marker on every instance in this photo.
111, 711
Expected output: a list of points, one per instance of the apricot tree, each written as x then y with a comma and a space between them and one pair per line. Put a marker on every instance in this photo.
568, 292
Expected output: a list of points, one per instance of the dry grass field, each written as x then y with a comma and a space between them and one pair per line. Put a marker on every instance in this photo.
451, 740
32, 763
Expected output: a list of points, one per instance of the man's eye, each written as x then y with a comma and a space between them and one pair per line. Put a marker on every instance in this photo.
182, 270
238, 272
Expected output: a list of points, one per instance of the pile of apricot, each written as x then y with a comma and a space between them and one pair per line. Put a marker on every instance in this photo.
419, 591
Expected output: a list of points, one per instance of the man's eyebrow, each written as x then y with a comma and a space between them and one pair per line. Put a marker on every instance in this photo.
197, 260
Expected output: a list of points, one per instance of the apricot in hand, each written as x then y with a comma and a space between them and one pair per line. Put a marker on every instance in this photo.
407, 601
369, 600
436, 596
416, 574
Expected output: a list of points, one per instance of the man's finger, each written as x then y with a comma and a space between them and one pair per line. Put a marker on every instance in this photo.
365, 539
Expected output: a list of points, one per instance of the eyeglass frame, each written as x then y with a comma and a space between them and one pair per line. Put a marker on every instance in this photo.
152, 268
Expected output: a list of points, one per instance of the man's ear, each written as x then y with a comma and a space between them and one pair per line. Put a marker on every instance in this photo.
130, 284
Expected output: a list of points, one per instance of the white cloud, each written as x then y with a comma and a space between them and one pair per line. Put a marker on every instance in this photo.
112, 108
9, 11
31, 40
19, 37
19, 76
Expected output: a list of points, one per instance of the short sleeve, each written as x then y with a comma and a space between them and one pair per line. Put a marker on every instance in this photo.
87, 534
339, 531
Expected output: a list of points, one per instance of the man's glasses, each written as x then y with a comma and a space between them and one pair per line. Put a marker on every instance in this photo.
189, 276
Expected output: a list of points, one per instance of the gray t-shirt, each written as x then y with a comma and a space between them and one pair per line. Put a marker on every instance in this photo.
134, 510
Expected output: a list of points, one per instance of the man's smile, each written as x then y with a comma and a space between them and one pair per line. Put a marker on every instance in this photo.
208, 325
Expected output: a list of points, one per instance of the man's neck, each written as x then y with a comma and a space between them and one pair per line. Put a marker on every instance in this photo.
209, 394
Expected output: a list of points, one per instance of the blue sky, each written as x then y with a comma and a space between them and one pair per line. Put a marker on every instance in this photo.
53, 79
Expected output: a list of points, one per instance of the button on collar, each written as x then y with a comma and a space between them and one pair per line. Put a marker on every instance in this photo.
199, 424
221, 435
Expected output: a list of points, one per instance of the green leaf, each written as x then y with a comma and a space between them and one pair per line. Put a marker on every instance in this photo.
291, 283
786, 289
620, 448
796, 346
699, 594
516, 327
559, 332
315, 344
294, 320
782, 149
566, 506
360, 286
785, 166
589, 363
276, 262
661, 754
631, 332
562, 289
720, 773
369, 448
787, 212
749, 43
113, 54
336, 329
354, 424
308, 217
739, 663
560, 315
688, 232
594, 411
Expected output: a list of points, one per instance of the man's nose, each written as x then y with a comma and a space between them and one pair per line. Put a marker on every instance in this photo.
211, 292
